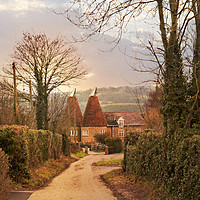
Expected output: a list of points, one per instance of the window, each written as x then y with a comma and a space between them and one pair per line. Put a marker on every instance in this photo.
85, 132
121, 122
102, 131
73, 132
121, 133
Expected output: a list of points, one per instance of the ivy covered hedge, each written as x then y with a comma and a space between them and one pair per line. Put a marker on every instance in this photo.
173, 162
27, 148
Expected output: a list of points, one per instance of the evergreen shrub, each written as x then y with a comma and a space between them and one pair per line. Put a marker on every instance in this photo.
100, 138
114, 145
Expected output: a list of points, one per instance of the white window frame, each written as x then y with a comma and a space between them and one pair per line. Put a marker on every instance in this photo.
102, 131
121, 122
85, 133
121, 132
73, 132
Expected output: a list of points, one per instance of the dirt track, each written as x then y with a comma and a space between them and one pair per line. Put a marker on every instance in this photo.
80, 182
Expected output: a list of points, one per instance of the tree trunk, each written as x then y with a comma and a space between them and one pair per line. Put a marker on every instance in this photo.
46, 112
174, 84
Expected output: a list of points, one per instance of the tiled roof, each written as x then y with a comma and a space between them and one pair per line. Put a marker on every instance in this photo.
130, 118
93, 116
74, 114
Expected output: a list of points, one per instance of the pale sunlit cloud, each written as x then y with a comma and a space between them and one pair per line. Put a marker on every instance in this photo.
141, 30
89, 75
21, 5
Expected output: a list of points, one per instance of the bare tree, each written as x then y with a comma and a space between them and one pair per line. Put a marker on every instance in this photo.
152, 107
48, 63
6, 106
57, 112
7, 115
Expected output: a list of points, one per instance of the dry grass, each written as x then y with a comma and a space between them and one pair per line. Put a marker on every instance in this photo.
129, 187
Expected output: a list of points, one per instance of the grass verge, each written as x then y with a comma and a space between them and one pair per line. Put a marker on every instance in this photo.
116, 163
43, 174
80, 154
129, 187
99, 150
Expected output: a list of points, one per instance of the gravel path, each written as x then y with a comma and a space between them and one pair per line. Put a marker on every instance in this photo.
79, 182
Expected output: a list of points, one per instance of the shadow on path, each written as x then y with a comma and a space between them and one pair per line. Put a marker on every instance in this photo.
20, 195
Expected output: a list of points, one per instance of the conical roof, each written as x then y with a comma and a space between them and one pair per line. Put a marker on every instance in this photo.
74, 114
93, 116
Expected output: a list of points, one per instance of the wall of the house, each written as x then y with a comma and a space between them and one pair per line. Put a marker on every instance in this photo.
75, 138
92, 131
112, 131
130, 129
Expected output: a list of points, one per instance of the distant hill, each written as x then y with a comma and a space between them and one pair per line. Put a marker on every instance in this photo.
115, 99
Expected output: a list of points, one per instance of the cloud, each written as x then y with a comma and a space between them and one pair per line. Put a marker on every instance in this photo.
27, 5
89, 75
21, 5
141, 30
106, 69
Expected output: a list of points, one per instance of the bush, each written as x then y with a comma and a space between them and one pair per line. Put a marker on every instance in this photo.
13, 143
173, 162
4, 176
100, 138
114, 145
27, 148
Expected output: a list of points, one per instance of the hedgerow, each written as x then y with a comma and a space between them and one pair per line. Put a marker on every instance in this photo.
14, 144
4, 176
173, 162
28, 148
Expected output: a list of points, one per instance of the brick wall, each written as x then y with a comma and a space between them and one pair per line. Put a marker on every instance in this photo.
92, 131
111, 131
114, 131
75, 134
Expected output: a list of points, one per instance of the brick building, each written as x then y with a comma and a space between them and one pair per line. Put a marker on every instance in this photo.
94, 121
121, 123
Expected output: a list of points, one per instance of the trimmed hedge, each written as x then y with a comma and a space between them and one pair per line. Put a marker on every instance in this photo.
114, 145
173, 162
14, 144
28, 148
4, 176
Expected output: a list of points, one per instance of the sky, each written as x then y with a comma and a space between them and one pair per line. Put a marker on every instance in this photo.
105, 69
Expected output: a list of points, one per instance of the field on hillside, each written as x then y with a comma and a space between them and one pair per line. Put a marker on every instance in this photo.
116, 99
